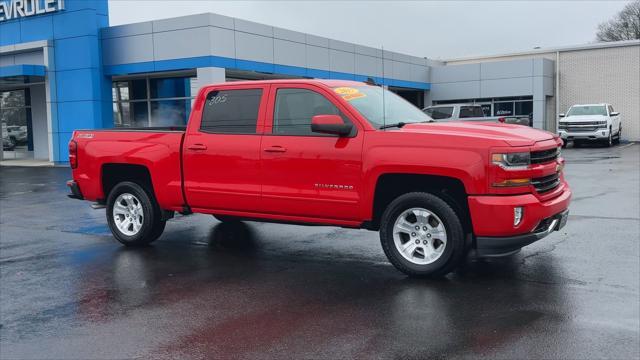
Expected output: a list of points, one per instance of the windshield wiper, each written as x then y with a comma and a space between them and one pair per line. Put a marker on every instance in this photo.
398, 125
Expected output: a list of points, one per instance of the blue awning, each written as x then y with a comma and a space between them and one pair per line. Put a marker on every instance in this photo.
22, 70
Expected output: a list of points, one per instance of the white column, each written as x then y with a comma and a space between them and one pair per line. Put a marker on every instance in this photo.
39, 127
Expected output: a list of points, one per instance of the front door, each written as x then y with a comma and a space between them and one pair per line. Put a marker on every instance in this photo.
222, 154
308, 174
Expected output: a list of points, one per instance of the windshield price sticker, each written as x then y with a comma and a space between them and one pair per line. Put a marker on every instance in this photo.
349, 93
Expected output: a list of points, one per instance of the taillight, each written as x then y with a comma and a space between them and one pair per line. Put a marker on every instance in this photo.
502, 119
73, 154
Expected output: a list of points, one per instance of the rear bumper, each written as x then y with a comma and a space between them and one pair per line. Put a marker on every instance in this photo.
75, 190
500, 246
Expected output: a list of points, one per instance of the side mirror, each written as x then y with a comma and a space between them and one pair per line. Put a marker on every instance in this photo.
330, 124
561, 115
615, 113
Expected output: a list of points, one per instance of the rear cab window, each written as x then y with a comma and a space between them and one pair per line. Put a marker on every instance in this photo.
439, 113
471, 111
231, 111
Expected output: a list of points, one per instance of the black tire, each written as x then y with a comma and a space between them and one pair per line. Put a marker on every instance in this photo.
152, 225
619, 136
608, 142
454, 251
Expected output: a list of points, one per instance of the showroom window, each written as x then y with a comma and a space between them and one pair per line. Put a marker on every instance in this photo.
148, 102
512, 106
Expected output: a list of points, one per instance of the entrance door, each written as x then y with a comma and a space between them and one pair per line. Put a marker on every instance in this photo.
15, 115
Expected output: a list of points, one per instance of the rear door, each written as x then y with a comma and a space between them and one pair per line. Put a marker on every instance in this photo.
222, 149
307, 174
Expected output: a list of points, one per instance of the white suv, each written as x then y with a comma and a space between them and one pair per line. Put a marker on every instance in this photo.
591, 122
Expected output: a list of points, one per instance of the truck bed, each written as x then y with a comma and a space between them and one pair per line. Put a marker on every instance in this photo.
159, 149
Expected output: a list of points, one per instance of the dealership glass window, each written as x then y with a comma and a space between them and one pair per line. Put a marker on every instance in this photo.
524, 108
147, 102
231, 111
15, 118
503, 108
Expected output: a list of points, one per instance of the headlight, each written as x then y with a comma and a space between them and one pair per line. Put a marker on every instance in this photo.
512, 161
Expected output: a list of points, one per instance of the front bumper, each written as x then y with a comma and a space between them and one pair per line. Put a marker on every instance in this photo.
500, 246
599, 134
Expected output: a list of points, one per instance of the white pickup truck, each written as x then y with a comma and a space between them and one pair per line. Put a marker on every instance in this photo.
470, 112
590, 122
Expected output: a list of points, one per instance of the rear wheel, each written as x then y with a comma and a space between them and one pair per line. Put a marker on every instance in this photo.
422, 235
133, 215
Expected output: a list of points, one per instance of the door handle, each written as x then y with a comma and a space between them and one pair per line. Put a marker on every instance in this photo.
275, 148
197, 147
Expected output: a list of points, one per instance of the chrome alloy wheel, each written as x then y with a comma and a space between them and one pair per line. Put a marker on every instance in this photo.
419, 236
128, 214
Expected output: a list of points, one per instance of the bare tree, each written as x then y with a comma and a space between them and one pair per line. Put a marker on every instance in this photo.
624, 26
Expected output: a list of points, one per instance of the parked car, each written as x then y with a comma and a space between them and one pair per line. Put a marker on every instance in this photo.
18, 134
7, 142
321, 152
470, 112
591, 122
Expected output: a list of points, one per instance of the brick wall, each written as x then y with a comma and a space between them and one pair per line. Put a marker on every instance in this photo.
607, 75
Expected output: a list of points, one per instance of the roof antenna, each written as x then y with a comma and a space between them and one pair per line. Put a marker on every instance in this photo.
384, 111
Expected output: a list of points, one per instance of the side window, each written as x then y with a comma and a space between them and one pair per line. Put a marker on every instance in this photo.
471, 111
294, 109
442, 112
231, 111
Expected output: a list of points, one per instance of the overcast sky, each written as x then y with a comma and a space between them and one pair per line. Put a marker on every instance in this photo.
434, 29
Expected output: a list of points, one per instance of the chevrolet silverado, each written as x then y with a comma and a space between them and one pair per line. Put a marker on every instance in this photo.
330, 152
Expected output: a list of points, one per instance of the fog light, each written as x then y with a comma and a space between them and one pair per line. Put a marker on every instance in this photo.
517, 216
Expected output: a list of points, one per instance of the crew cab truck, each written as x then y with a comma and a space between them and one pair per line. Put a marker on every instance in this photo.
328, 152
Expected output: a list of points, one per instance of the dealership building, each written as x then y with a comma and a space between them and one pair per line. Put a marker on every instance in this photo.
62, 67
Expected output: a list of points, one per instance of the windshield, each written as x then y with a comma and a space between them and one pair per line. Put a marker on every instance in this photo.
587, 110
368, 101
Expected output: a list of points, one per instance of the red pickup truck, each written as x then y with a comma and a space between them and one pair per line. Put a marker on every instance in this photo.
328, 152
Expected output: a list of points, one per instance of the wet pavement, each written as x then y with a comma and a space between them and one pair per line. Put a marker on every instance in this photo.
251, 290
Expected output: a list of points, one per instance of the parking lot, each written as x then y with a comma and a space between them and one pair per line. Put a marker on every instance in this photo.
251, 290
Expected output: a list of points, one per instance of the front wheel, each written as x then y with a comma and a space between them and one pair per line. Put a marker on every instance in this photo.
608, 142
134, 217
422, 235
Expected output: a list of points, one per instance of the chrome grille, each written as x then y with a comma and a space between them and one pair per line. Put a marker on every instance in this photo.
546, 183
544, 156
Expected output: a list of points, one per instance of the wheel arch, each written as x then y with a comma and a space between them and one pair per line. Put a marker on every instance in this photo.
389, 186
115, 173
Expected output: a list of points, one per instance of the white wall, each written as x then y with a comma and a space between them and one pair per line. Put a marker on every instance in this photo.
39, 123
